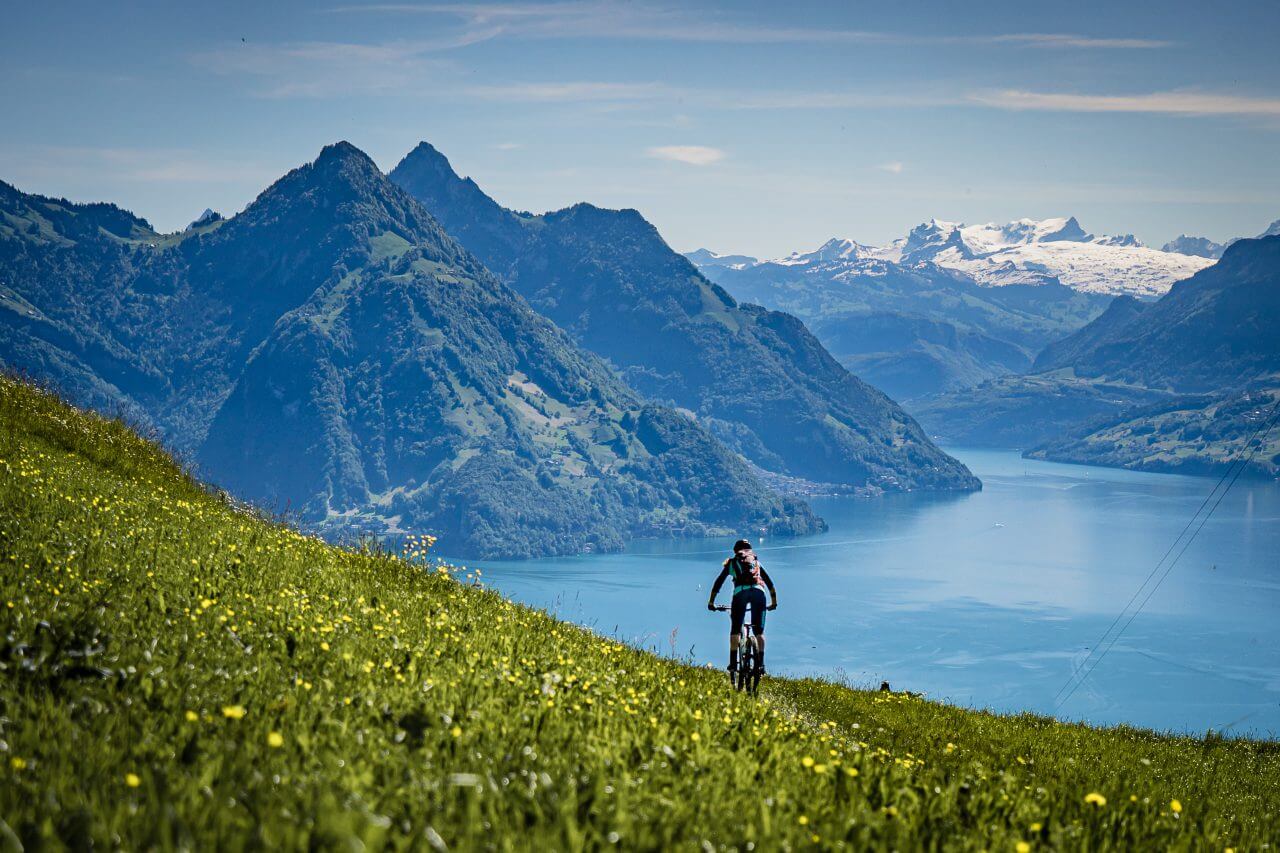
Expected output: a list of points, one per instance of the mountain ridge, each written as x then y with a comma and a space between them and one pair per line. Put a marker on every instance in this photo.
758, 379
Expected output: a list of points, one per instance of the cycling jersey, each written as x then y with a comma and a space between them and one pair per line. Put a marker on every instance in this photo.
743, 577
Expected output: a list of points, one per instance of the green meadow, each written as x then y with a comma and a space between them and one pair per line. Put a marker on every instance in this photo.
177, 671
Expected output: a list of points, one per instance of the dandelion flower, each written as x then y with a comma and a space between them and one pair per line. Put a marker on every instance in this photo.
1035, 827
807, 761
1175, 806
456, 731
1095, 798
695, 737
1022, 847
804, 820
18, 763
275, 740
132, 780
191, 716
233, 712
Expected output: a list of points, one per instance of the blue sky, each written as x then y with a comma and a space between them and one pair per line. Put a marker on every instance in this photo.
758, 128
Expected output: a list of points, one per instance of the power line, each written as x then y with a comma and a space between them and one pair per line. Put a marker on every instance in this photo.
1155, 569
1234, 470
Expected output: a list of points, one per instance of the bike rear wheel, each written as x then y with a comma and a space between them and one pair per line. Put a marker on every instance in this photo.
747, 678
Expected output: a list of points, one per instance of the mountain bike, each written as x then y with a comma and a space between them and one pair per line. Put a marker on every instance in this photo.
747, 676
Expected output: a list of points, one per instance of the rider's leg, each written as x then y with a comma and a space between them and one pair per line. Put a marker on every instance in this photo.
757, 625
737, 615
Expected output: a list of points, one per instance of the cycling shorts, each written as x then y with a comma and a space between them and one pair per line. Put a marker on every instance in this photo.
752, 597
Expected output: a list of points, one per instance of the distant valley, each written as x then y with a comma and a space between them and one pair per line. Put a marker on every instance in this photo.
988, 350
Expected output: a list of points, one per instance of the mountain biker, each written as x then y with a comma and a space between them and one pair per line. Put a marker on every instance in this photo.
749, 583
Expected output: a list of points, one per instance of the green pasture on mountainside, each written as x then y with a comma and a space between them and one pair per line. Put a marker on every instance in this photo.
177, 671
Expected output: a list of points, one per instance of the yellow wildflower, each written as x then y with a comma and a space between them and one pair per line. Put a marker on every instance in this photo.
456, 731
192, 716
1022, 847
1175, 806
18, 763
807, 761
275, 740
233, 712
1095, 798
132, 780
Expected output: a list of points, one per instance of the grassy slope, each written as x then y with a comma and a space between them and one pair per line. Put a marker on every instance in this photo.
207, 678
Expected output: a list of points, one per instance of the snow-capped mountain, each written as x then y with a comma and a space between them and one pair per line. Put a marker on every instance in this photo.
708, 258
836, 249
1203, 247
1025, 251
1029, 251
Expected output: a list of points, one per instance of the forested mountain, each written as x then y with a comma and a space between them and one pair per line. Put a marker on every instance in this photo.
1197, 434
1030, 251
1213, 335
333, 350
757, 378
1121, 311
911, 330
1212, 331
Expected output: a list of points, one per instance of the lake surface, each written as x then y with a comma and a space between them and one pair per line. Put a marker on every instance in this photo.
987, 600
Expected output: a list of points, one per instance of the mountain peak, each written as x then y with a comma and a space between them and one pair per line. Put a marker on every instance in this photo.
426, 160
707, 258
341, 173
343, 152
208, 217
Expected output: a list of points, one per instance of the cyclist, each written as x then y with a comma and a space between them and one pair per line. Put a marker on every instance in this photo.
749, 583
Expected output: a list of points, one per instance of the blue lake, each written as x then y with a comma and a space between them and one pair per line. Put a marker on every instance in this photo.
989, 600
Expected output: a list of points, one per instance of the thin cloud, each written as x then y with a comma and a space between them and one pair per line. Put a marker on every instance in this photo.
1175, 103
318, 69
508, 146
694, 155
893, 167
572, 91
618, 20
